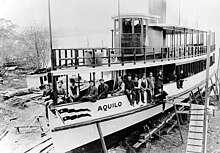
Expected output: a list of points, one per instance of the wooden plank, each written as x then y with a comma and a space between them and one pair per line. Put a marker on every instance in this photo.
182, 112
195, 142
196, 117
197, 112
42, 147
178, 103
194, 106
195, 129
196, 123
197, 136
195, 149
38, 143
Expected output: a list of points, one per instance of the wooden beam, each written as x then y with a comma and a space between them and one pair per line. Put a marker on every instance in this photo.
216, 82
194, 96
206, 96
200, 94
217, 76
213, 88
178, 122
181, 104
102, 138
182, 112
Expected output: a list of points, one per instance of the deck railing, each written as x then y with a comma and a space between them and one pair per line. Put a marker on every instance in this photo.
108, 56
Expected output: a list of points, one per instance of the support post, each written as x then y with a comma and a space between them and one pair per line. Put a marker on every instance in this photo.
78, 82
154, 54
200, 94
102, 138
218, 78
109, 57
67, 83
214, 88
216, 82
178, 122
194, 97
206, 96
76, 58
144, 55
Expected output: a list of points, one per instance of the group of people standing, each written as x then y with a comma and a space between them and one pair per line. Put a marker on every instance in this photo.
142, 89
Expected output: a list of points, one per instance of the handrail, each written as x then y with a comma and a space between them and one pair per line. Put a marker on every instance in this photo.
78, 57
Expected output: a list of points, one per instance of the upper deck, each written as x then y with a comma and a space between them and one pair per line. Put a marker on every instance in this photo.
105, 58
136, 40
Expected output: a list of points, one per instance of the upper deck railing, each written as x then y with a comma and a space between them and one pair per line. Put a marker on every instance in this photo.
93, 57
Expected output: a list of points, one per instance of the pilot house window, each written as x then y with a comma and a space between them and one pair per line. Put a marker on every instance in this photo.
137, 26
127, 26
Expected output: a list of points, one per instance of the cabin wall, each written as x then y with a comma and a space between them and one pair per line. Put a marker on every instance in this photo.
155, 38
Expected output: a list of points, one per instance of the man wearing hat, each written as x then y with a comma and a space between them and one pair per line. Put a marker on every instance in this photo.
102, 89
129, 89
91, 94
136, 89
74, 91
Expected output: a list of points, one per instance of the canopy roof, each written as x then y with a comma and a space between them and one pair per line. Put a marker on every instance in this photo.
134, 15
178, 28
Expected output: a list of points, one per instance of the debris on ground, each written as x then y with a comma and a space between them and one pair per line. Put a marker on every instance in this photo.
20, 92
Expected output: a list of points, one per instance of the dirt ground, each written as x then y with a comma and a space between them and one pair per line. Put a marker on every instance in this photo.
14, 142
213, 139
12, 116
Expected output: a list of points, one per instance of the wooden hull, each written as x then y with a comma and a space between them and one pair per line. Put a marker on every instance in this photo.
81, 135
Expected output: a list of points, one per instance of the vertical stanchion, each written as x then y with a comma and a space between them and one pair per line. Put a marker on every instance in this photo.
218, 79
67, 83
102, 138
206, 96
178, 122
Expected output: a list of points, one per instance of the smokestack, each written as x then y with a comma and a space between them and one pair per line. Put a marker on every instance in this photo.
158, 7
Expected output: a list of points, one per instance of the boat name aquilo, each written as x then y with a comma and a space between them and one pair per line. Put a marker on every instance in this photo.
109, 106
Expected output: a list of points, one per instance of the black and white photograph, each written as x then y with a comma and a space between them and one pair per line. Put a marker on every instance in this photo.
109, 76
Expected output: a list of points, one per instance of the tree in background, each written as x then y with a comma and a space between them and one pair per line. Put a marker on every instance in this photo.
35, 44
8, 36
30, 48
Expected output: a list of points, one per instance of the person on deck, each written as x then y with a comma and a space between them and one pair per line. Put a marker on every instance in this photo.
136, 89
120, 88
102, 90
47, 97
180, 79
74, 91
161, 97
91, 94
60, 90
159, 81
151, 81
172, 76
47, 93
143, 85
129, 89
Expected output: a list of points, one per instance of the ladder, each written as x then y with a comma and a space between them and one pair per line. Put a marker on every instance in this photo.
195, 135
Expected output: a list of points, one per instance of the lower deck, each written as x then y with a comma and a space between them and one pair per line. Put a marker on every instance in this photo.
112, 114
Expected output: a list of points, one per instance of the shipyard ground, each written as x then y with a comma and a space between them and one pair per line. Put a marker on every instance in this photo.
14, 142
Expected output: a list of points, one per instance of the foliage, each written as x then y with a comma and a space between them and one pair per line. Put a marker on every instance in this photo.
7, 38
29, 47
35, 45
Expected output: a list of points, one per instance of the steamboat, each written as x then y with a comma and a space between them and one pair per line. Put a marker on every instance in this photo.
143, 43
